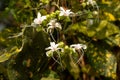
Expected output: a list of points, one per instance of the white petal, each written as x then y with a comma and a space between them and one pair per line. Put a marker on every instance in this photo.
76, 46
61, 14
52, 22
43, 18
58, 25
48, 48
49, 53
54, 46
61, 8
38, 15
68, 10
52, 43
36, 21
73, 45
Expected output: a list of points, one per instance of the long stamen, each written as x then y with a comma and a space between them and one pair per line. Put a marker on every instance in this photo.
81, 55
60, 60
52, 37
56, 60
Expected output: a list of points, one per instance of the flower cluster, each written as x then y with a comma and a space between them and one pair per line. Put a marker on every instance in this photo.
54, 24
55, 47
40, 18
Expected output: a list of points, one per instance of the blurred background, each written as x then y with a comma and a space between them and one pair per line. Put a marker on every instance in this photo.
99, 29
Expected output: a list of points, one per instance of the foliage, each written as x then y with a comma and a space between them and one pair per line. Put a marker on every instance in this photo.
51, 40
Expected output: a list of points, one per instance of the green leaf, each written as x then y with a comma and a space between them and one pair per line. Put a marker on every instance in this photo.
101, 59
9, 52
114, 40
99, 31
50, 75
39, 28
106, 29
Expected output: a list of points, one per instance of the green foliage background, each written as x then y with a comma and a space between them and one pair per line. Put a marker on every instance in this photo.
22, 49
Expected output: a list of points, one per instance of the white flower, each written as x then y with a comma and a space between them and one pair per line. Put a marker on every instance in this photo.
53, 24
78, 46
64, 12
53, 47
39, 19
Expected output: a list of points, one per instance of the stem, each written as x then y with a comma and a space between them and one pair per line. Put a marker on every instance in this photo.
58, 3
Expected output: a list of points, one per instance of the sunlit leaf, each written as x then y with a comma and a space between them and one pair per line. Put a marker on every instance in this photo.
7, 53
4, 57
